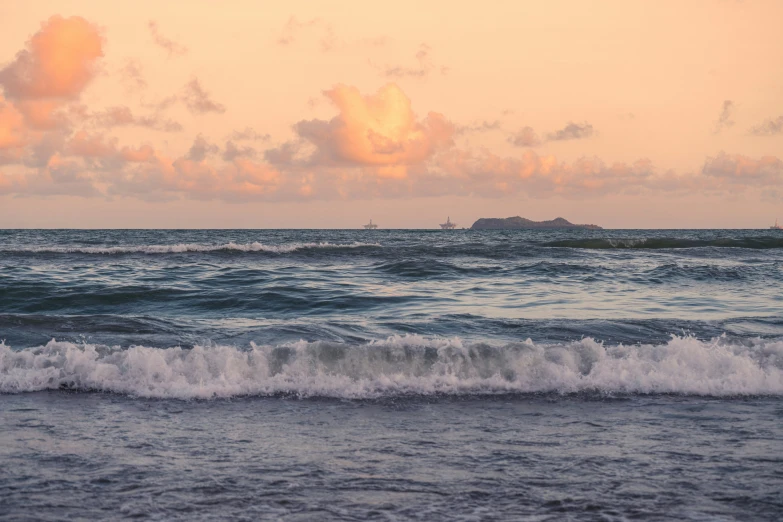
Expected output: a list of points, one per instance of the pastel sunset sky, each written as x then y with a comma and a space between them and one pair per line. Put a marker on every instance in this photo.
325, 114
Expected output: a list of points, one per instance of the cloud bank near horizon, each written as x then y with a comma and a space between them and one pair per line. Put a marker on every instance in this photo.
374, 146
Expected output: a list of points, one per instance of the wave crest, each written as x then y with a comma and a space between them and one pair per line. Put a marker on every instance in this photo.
399, 365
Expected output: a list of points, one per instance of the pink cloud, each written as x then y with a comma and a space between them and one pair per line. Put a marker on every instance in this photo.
239, 180
743, 170
141, 154
91, 146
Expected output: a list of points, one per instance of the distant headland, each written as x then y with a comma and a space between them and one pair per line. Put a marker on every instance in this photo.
517, 222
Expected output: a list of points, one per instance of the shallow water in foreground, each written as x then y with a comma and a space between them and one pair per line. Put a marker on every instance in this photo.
71, 454
391, 375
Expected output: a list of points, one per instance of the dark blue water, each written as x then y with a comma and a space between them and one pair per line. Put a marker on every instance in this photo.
391, 375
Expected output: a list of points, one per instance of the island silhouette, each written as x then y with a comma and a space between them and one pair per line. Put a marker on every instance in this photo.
517, 222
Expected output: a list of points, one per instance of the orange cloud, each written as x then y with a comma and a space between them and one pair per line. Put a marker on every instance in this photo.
376, 130
59, 61
12, 128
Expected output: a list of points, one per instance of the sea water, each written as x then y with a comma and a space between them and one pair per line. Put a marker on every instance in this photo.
391, 375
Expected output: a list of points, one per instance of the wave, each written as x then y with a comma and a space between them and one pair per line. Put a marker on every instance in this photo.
188, 247
398, 366
431, 268
673, 271
663, 243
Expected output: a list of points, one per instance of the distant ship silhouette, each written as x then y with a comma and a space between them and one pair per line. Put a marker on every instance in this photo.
370, 226
776, 226
448, 225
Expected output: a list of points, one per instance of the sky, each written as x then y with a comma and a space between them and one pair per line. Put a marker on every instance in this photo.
304, 114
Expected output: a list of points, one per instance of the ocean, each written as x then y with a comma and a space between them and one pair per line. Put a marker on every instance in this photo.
391, 374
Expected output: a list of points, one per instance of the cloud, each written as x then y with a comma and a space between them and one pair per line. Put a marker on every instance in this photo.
42, 147
100, 152
768, 128
572, 131
736, 169
201, 148
293, 29
379, 129
525, 137
58, 176
56, 65
422, 69
13, 132
248, 134
232, 151
198, 100
170, 46
122, 116
59, 61
284, 155
489, 175
239, 180
91, 146
374, 146
482, 126
724, 120
132, 76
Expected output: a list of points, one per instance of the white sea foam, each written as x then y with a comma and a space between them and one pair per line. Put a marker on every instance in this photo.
190, 247
400, 365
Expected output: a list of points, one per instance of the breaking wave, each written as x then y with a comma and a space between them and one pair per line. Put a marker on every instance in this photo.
188, 247
398, 366
662, 243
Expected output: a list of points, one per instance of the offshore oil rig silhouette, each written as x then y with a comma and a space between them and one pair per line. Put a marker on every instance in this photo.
448, 225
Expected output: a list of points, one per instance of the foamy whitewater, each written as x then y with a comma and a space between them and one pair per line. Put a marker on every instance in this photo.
391, 375
398, 366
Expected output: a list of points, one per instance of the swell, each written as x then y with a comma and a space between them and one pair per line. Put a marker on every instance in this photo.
180, 248
272, 297
668, 243
429, 268
714, 272
398, 366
